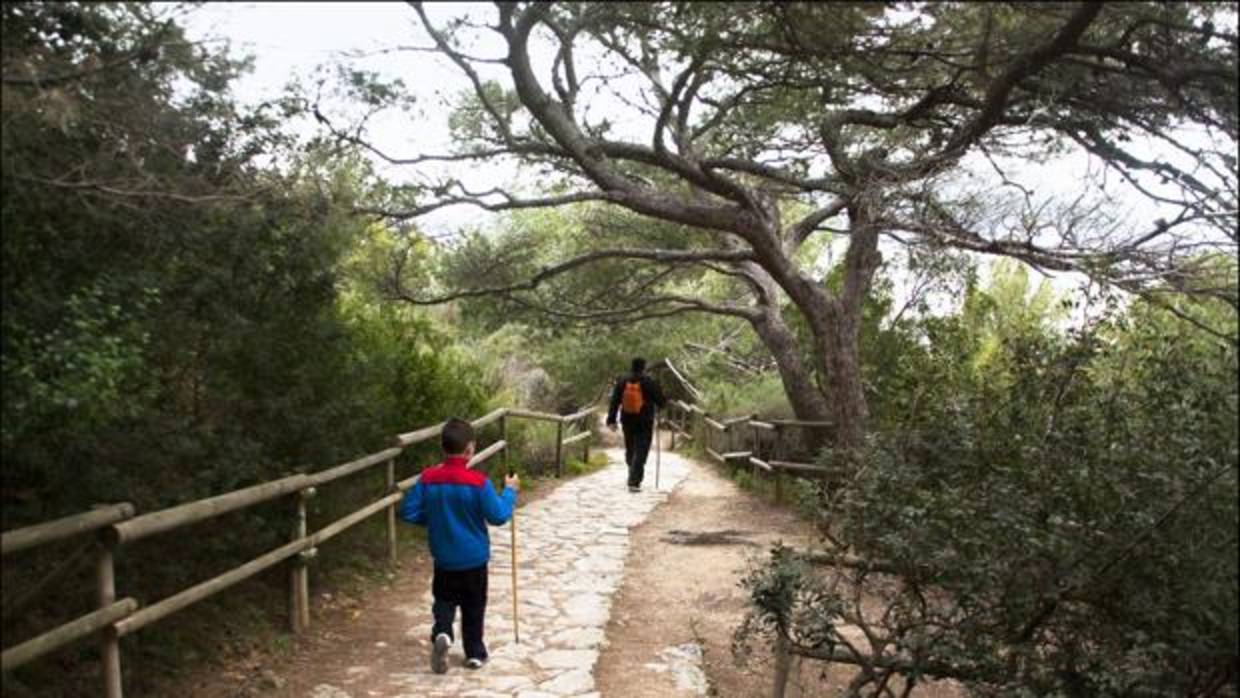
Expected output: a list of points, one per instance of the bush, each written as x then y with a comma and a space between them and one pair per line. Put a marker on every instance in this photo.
1051, 514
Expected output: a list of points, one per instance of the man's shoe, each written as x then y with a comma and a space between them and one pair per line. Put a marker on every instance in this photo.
635, 488
474, 663
439, 653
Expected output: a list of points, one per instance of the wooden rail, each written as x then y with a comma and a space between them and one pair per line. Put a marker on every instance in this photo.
41, 534
117, 526
577, 437
193, 512
88, 624
689, 421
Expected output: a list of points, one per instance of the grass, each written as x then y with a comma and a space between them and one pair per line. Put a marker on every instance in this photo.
577, 467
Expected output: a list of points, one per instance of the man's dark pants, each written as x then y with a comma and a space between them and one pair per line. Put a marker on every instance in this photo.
467, 589
637, 436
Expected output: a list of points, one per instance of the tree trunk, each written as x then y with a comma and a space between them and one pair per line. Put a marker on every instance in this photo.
807, 401
842, 364
841, 338
835, 321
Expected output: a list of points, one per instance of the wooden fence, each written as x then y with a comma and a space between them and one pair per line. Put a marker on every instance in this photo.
763, 443
119, 524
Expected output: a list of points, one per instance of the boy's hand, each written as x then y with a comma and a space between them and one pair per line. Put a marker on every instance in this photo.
514, 481
611, 425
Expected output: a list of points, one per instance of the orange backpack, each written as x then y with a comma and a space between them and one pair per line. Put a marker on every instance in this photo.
632, 400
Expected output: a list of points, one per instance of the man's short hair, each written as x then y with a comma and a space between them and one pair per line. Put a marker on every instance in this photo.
457, 435
639, 365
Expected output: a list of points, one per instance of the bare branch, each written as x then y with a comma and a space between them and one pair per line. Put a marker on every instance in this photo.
509, 203
546, 273
114, 189
799, 232
463, 62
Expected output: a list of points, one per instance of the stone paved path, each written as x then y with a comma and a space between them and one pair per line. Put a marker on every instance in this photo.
571, 547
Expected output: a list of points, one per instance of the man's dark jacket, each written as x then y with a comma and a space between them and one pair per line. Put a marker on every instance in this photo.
652, 395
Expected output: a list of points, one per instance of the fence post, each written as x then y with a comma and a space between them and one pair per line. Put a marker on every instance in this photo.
783, 662
698, 432
503, 436
391, 512
559, 447
105, 593
754, 443
299, 577
780, 450
671, 420
585, 443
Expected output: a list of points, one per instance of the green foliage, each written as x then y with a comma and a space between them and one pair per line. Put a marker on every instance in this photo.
1068, 501
558, 361
577, 466
88, 368
180, 319
764, 396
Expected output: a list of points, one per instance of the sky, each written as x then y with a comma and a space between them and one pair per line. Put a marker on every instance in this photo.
292, 40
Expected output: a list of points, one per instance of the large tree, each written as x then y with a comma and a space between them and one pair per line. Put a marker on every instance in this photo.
756, 126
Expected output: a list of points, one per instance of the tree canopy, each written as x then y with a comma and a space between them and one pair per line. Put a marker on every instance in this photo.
756, 127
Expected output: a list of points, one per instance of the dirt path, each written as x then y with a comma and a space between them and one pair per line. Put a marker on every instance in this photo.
671, 625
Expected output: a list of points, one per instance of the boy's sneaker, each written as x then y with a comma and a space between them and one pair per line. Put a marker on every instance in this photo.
474, 663
439, 653
635, 488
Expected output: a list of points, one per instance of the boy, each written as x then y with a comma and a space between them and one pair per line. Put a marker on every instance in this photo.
455, 504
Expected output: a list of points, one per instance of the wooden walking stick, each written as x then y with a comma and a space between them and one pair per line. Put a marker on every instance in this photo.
516, 636
658, 451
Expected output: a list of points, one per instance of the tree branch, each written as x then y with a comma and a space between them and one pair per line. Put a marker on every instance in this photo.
546, 273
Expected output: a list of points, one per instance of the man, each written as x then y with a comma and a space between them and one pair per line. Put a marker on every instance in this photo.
456, 503
636, 397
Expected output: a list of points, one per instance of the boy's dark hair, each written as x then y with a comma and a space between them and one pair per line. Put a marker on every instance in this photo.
457, 435
639, 365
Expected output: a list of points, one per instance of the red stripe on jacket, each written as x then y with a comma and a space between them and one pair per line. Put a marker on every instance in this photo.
453, 471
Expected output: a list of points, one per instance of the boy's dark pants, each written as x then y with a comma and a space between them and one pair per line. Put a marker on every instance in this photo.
467, 589
637, 436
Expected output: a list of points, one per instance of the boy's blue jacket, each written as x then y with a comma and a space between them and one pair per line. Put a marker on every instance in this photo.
456, 504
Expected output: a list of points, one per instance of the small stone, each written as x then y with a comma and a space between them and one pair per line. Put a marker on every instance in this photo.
325, 690
507, 684
586, 609
566, 659
581, 638
270, 680
569, 683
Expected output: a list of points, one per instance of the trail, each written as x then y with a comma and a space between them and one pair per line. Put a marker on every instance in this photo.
572, 545
621, 595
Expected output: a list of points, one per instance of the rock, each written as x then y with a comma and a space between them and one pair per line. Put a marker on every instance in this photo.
580, 638
569, 683
566, 659
325, 690
684, 663
507, 684
587, 610
270, 681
